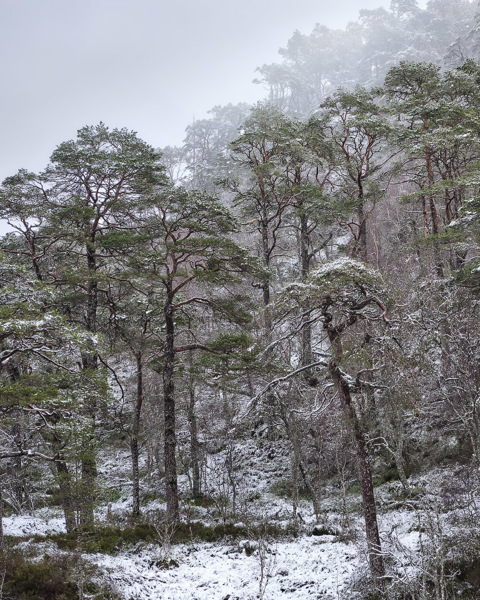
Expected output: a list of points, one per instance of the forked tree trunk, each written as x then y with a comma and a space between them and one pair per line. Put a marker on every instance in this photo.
300, 465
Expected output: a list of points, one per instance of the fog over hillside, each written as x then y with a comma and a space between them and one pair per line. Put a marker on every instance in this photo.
150, 65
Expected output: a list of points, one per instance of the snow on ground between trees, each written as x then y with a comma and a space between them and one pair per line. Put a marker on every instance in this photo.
306, 568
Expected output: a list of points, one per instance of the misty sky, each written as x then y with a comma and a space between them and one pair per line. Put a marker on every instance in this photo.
148, 65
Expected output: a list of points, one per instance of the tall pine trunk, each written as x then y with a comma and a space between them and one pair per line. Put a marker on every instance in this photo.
306, 341
90, 362
170, 442
3, 561
194, 444
377, 567
433, 213
360, 251
66, 494
266, 262
134, 437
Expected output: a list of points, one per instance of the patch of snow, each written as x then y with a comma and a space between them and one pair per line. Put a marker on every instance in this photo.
304, 568
39, 524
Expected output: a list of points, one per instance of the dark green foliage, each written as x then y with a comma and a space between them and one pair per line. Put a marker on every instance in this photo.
467, 574
203, 501
285, 488
51, 578
389, 475
44, 580
117, 268
110, 540
107, 540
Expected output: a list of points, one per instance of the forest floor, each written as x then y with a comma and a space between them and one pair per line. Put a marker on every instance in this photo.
304, 557
325, 561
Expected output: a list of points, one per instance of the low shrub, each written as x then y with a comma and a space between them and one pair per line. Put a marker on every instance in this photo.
51, 578
284, 488
105, 540
110, 540
389, 475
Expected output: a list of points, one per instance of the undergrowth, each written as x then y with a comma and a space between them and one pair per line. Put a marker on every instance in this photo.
50, 578
111, 540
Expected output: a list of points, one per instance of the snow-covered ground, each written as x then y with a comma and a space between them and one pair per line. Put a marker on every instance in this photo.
43, 522
309, 567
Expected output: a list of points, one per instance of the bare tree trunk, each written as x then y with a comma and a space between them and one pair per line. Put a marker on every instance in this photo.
87, 485
304, 246
14, 468
294, 437
135, 477
266, 260
400, 464
309, 485
170, 442
3, 562
90, 362
377, 567
360, 248
306, 341
14, 465
65, 485
433, 214
134, 439
194, 445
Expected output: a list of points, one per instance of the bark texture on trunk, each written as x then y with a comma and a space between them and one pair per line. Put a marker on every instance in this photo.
299, 460
377, 567
87, 486
266, 260
135, 477
68, 492
306, 342
89, 362
360, 250
15, 470
433, 214
65, 484
3, 562
134, 438
194, 445
170, 443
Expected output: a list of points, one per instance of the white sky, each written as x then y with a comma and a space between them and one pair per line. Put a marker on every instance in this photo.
148, 65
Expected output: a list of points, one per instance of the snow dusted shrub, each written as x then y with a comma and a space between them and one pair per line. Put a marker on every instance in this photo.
438, 558
166, 531
261, 544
